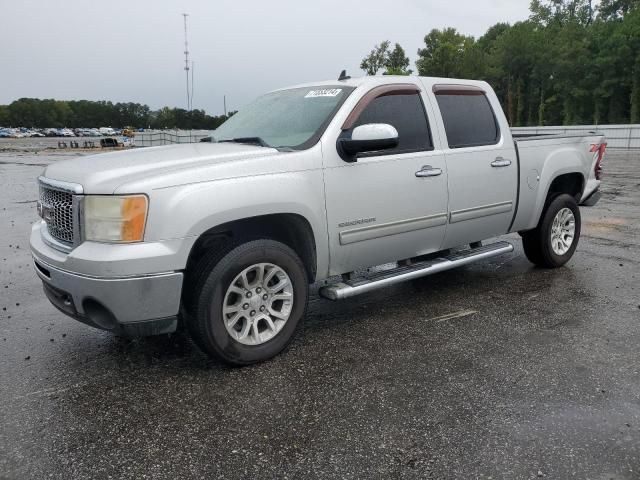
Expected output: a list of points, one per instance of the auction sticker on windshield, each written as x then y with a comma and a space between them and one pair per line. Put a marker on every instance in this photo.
327, 92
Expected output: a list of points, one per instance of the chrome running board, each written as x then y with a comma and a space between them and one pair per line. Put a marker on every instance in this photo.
385, 278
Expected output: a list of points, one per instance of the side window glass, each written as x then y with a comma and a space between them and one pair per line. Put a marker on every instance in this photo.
406, 113
468, 119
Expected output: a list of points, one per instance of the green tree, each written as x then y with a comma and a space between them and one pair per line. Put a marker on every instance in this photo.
4, 116
443, 54
376, 60
630, 31
612, 9
33, 112
609, 77
547, 12
635, 93
515, 55
397, 62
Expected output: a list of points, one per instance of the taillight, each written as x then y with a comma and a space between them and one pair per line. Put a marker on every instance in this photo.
598, 152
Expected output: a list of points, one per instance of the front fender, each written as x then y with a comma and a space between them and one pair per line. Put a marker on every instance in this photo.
188, 211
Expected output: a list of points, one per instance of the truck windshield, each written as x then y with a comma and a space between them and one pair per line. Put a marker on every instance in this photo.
287, 119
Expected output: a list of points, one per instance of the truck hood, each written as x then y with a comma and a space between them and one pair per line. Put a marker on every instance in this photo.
158, 167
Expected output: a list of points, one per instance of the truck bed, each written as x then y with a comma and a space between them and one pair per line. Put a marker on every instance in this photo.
540, 158
523, 137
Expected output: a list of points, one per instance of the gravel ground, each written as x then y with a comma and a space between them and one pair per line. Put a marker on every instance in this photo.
539, 378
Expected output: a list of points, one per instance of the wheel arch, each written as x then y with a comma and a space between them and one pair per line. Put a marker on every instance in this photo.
292, 229
572, 183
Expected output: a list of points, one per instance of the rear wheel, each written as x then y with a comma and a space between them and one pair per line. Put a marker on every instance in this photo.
554, 241
248, 302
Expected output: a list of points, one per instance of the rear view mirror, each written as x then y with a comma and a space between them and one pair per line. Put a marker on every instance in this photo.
370, 137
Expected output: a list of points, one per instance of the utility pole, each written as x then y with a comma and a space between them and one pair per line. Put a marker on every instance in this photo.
224, 99
186, 60
193, 71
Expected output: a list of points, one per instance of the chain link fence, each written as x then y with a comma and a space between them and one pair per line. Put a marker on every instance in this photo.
154, 138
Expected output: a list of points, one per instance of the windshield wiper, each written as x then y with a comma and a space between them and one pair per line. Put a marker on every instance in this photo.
249, 140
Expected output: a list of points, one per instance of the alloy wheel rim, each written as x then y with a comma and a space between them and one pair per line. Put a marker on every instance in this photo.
258, 304
563, 231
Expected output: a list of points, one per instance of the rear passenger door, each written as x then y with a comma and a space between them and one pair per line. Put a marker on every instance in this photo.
481, 163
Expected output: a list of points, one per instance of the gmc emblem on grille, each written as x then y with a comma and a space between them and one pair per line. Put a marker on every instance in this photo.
44, 211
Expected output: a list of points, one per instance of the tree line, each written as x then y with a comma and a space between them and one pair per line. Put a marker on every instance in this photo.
569, 63
37, 113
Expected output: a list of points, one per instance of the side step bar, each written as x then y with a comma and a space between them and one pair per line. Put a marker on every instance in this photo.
385, 278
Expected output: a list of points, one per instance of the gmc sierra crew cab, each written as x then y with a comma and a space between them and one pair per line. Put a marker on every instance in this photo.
312, 183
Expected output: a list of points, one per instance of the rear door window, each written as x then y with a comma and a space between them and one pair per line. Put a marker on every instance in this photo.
406, 113
468, 118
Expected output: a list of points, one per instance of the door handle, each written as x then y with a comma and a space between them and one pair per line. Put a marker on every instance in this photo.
428, 171
500, 162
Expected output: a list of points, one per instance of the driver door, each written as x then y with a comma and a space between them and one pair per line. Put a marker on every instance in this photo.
382, 207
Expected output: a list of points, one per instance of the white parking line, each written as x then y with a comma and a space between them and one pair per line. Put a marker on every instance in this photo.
451, 316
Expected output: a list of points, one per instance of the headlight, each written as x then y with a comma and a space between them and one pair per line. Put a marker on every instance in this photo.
115, 219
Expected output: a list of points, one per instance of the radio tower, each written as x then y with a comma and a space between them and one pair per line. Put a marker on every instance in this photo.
186, 60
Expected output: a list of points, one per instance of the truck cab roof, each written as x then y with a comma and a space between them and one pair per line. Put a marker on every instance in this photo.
375, 80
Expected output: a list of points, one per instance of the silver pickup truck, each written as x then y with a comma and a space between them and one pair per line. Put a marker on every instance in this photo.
313, 183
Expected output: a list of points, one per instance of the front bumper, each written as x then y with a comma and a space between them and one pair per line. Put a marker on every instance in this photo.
137, 306
128, 289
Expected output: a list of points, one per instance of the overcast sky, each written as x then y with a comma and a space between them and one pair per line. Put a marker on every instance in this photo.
132, 51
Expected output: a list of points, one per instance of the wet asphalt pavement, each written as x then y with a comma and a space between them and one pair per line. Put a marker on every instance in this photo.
496, 370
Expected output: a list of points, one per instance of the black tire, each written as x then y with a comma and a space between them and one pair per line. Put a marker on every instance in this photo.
537, 243
217, 271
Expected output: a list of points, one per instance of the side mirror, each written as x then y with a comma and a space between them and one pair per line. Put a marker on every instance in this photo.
370, 137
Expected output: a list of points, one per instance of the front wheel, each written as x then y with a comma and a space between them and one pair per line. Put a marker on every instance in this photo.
554, 241
248, 303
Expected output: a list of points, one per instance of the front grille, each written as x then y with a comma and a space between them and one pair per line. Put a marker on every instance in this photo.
57, 211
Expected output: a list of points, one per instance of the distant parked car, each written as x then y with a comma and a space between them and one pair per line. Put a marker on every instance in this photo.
15, 133
108, 142
106, 131
65, 132
88, 132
